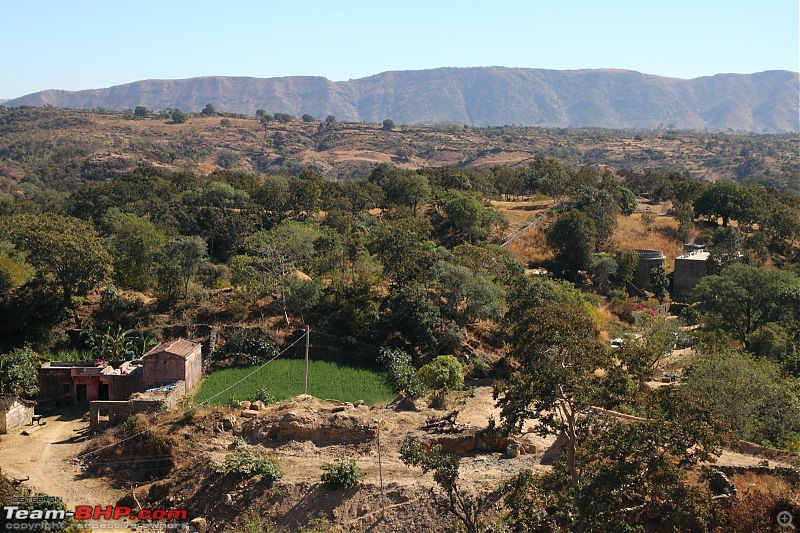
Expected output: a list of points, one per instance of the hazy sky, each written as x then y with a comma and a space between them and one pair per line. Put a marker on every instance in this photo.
88, 44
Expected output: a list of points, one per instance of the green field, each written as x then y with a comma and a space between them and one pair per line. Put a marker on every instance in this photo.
284, 379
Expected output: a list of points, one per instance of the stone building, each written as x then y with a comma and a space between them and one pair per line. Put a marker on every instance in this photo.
648, 260
689, 269
14, 413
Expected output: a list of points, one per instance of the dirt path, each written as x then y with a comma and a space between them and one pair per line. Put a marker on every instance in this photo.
48, 457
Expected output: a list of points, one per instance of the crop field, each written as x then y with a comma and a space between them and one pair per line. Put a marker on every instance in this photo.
283, 378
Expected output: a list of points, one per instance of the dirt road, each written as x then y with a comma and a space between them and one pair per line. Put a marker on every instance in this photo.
48, 457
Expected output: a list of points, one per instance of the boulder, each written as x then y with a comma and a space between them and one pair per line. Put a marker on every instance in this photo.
249, 413
199, 524
720, 485
245, 404
228, 421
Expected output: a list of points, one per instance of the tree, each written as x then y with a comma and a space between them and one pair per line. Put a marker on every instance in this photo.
141, 112
273, 195
627, 261
636, 474
466, 508
573, 237
134, 243
179, 117
562, 370
308, 118
330, 119
743, 298
181, 258
404, 248
14, 270
443, 374
602, 208
65, 250
18, 372
659, 282
749, 394
727, 200
208, 111
470, 219
388, 124
467, 296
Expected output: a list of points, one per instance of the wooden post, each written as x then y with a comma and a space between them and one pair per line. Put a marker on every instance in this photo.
305, 377
380, 468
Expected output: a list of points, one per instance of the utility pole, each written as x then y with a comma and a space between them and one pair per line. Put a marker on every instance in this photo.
305, 380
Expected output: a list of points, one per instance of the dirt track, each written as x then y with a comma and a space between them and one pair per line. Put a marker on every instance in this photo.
48, 457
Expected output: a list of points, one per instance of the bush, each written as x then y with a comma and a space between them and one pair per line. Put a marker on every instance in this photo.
444, 373
341, 474
248, 463
402, 375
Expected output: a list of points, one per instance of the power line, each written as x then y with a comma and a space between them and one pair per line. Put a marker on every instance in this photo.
165, 422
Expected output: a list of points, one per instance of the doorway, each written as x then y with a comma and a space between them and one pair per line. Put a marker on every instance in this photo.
80, 392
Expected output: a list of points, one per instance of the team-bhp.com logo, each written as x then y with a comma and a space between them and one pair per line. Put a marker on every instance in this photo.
17, 518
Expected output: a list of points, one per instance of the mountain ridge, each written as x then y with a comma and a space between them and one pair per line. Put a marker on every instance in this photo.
764, 102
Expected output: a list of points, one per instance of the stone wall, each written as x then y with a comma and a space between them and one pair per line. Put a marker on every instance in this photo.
16, 417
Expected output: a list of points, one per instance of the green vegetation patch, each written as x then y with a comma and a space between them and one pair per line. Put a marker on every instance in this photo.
284, 379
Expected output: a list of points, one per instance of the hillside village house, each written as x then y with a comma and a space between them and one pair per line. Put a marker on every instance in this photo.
14, 413
83, 382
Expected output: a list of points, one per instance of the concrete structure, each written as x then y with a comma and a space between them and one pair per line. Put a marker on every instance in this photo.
15, 413
689, 269
648, 259
84, 382
150, 401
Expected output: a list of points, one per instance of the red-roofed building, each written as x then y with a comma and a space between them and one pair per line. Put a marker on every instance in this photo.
175, 360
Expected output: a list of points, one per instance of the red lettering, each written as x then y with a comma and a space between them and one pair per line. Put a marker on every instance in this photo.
106, 513
159, 514
177, 514
121, 511
83, 512
144, 514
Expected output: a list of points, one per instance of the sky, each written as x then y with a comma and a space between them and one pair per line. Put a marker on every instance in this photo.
88, 44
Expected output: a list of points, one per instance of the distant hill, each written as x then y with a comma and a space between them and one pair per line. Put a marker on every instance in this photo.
766, 102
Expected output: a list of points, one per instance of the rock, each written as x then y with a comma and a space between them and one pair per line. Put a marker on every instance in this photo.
359, 403
481, 446
339, 409
512, 450
720, 485
245, 404
257, 405
228, 421
249, 413
199, 524
405, 404
227, 499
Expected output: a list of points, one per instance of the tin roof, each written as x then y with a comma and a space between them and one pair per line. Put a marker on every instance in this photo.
180, 347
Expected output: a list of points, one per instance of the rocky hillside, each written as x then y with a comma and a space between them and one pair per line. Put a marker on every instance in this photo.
485, 96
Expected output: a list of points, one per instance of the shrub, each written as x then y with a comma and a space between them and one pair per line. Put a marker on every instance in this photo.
443, 374
341, 474
248, 463
402, 375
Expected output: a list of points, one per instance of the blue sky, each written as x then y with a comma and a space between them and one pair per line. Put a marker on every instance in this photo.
88, 44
